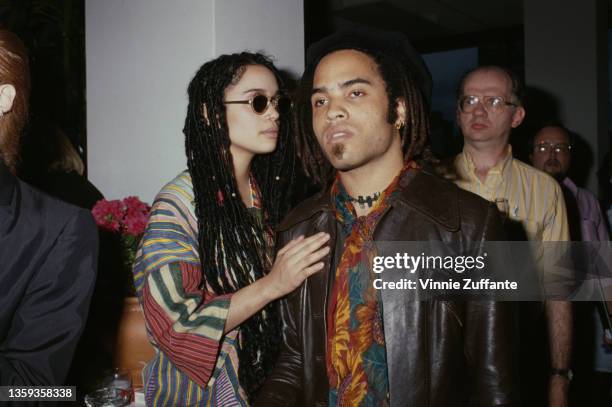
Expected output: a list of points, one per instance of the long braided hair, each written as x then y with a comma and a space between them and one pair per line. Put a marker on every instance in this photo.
231, 241
400, 82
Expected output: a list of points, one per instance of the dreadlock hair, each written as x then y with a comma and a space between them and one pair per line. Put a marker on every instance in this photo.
397, 72
231, 241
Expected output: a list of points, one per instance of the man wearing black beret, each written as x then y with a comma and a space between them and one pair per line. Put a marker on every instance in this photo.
363, 125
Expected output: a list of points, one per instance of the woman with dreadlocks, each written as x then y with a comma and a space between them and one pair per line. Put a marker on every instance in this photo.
204, 272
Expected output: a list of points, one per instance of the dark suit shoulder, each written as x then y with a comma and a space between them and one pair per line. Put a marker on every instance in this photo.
47, 212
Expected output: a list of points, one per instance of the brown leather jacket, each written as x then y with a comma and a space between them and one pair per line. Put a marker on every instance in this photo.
439, 353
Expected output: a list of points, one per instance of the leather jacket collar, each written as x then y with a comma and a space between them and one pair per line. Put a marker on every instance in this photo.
414, 193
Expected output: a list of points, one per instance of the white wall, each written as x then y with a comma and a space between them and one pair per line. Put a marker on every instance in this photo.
140, 56
273, 26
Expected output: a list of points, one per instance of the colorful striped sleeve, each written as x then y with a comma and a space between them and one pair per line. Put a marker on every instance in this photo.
185, 322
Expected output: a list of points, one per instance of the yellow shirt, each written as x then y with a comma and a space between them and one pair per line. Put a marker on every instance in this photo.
534, 198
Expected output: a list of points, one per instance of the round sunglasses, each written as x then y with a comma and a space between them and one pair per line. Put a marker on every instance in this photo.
259, 103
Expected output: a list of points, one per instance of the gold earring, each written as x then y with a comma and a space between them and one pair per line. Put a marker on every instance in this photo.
400, 124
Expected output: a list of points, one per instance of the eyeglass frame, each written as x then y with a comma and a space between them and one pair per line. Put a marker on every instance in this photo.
270, 100
482, 100
555, 147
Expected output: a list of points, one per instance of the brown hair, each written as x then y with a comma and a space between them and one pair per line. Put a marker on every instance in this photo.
14, 70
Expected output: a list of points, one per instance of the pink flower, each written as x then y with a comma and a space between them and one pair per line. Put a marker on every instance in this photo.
128, 216
135, 225
134, 205
108, 214
135, 216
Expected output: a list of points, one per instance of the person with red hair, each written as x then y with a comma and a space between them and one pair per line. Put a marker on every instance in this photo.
48, 251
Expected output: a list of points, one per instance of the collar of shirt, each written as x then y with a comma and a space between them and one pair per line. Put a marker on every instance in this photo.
569, 184
494, 175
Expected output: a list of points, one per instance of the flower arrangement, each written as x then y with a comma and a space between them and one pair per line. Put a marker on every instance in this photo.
127, 218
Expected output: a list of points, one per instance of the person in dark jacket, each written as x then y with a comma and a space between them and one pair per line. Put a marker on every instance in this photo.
363, 123
48, 251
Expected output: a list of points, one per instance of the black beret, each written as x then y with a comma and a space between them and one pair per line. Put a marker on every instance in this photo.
370, 40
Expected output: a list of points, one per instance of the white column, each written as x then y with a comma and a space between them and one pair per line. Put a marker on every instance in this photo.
140, 57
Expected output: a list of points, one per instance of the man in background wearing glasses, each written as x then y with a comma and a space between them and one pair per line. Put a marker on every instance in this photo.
551, 152
489, 107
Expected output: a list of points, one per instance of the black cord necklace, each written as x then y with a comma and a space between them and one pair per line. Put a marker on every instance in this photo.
365, 200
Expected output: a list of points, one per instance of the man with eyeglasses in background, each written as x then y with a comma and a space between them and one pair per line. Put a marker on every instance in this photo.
490, 105
551, 151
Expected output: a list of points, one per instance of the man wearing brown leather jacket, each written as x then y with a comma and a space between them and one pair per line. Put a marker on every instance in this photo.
363, 121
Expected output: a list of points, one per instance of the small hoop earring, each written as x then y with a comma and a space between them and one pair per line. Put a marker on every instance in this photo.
400, 124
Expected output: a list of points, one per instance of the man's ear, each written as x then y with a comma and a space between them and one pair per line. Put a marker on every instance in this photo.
518, 116
7, 96
401, 111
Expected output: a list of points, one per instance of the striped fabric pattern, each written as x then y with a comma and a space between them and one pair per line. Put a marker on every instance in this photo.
534, 198
195, 363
